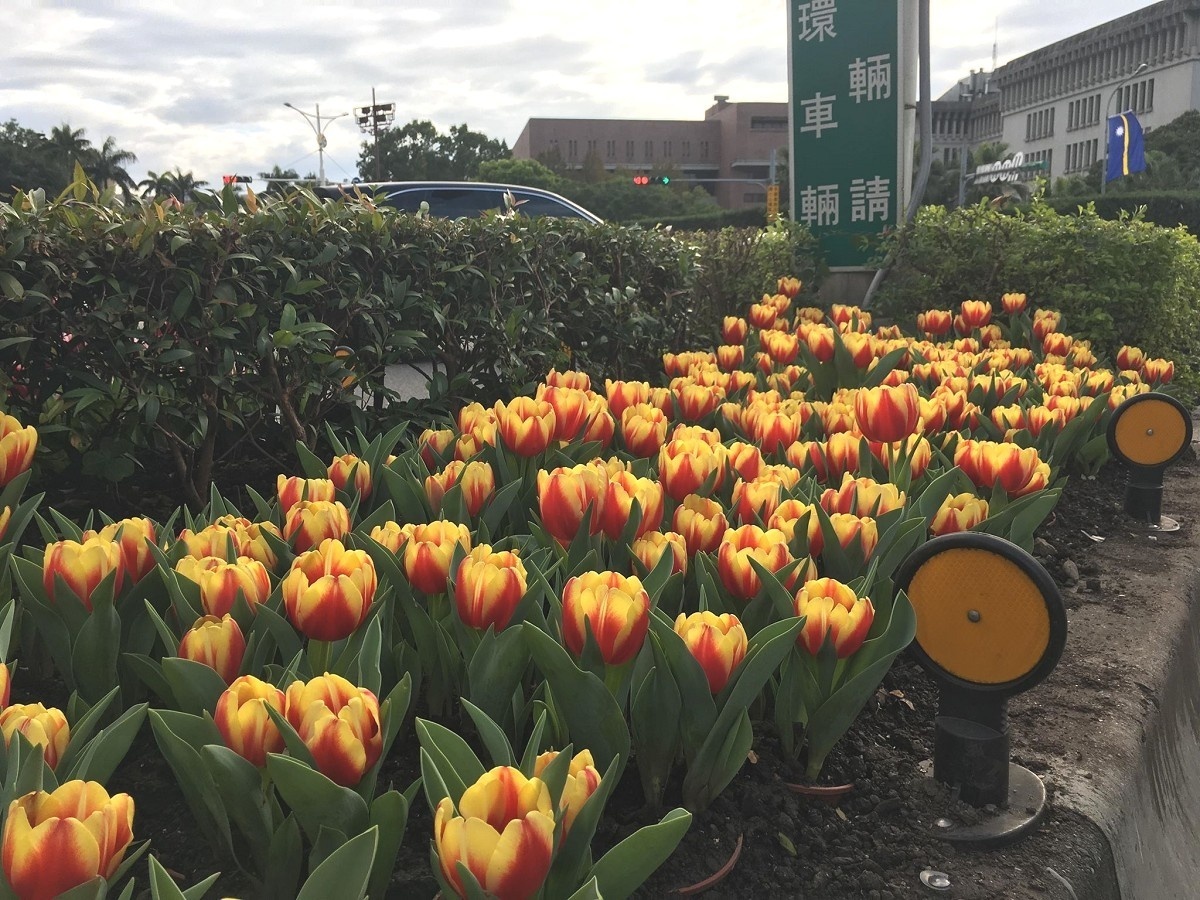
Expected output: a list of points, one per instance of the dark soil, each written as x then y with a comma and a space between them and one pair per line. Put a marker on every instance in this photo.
871, 843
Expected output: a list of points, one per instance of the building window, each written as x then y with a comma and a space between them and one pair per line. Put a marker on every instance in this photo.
754, 197
610, 149
572, 149
704, 149
1039, 124
629, 152
666, 149
649, 150
768, 123
686, 147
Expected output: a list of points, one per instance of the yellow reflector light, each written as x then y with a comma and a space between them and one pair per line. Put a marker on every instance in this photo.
1150, 432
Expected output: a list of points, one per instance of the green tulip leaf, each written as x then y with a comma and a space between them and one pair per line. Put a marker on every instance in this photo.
196, 687
389, 814
284, 860
315, 799
492, 735
622, 869
454, 757
589, 891
495, 670
592, 716
346, 872
104, 752
89, 890
240, 784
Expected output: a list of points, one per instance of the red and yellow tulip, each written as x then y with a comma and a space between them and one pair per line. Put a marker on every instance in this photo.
766, 546
650, 547
832, 608
582, 780
616, 608
131, 535
339, 724
217, 643
241, 717
310, 522
888, 414
488, 587
328, 591
57, 841
17, 446
960, 512
503, 833
42, 726
526, 425
220, 581
702, 523
718, 642
346, 467
621, 489
643, 429
82, 566
428, 550
564, 496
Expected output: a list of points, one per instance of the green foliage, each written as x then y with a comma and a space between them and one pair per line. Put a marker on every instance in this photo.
1166, 208
738, 265
419, 152
171, 336
1116, 282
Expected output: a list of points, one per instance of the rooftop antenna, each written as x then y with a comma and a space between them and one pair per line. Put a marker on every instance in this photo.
995, 41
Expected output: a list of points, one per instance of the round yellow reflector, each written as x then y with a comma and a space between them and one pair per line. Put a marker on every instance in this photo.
979, 616
1150, 432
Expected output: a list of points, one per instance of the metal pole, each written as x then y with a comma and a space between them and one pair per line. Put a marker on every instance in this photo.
962, 176
375, 128
1120, 84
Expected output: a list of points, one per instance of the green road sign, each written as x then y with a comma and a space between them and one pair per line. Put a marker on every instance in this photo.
846, 101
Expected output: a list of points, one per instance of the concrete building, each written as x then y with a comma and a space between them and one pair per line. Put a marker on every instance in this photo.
733, 142
1052, 104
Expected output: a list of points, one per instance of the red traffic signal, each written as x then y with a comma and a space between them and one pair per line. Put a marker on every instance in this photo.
642, 180
236, 179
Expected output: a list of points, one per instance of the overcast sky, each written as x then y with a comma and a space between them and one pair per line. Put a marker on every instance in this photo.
202, 86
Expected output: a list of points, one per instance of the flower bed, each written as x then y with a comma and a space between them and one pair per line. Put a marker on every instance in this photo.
538, 600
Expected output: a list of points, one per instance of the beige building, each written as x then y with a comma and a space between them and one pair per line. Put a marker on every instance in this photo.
729, 152
1052, 104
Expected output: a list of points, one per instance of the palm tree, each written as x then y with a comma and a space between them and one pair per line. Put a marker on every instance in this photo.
106, 167
70, 146
155, 185
183, 185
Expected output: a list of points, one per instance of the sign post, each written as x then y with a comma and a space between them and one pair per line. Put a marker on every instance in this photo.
847, 85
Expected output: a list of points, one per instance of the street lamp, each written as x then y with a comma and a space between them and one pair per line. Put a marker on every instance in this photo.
319, 132
1132, 75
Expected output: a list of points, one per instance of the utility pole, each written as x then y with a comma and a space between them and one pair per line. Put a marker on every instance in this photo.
369, 119
319, 132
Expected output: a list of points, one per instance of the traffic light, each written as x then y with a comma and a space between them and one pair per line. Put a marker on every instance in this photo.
641, 180
236, 179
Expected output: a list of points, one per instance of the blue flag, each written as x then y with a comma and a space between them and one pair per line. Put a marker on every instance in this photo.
1126, 146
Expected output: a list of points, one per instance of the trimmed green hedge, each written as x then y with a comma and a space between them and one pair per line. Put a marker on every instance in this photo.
1166, 208
187, 336
1116, 282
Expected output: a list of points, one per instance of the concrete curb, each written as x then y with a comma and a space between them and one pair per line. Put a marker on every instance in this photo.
1124, 749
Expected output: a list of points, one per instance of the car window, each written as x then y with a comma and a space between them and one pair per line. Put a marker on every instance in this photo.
408, 201
534, 205
450, 203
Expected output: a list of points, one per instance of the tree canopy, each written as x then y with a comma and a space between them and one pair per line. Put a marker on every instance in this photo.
419, 152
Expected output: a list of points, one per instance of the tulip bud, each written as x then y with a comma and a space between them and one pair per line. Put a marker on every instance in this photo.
328, 591
935, 322
428, 550
5, 685
526, 426
249, 539
216, 643
339, 724
579, 381
502, 831
852, 529
617, 609
220, 581
961, 512
348, 466
1158, 371
310, 522
17, 446
241, 717
54, 842
131, 536
976, 314
887, 414
82, 566
293, 489
582, 780
702, 523
832, 608
717, 642
650, 547
733, 330
620, 491
564, 496
488, 588
434, 443
740, 545
601, 426
685, 465
42, 726
643, 429
789, 513
1013, 303
570, 410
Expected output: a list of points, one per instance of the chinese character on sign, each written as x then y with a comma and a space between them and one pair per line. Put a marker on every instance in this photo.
818, 114
815, 20
871, 80
870, 199
819, 205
